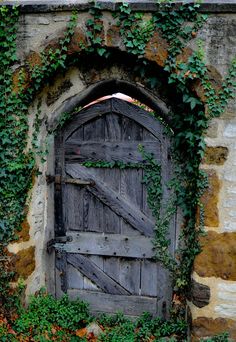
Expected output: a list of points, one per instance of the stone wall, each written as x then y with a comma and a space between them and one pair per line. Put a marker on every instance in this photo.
213, 299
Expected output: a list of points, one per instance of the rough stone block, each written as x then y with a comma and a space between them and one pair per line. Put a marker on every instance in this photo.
24, 262
230, 130
206, 327
210, 200
113, 38
78, 42
199, 294
157, 49
212, 130
54, 95
23, 235
20, 79
34, 59
215, 155
218, 256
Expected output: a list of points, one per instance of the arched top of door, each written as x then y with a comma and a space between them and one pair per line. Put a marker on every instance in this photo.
108, 87
116, 106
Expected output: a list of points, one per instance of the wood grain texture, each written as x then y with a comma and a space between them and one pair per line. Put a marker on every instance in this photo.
109, 262
116, 106
126, 152
95, 274
109, 245
116, 202
129, 305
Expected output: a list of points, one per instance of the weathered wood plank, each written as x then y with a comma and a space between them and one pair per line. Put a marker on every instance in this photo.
129, 275
117, 203
61, 265
75, 278
149, 280
94, 130
111, 266
103, 302
95, 274
88, 284
139, 115
112, 124
110, 245
109, 151
112, 222
86, 115
117, 106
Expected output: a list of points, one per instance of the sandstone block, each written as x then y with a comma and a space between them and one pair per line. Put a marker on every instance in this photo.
206, 327
24, 262
215, 155
157, 49
210, 200
218, 256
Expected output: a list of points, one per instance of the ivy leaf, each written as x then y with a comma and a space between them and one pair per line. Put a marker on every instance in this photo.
101, 51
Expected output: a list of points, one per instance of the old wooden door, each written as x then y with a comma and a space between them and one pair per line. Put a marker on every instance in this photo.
104, 227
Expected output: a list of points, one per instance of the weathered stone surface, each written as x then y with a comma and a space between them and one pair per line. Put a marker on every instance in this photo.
215, 155
199, 294
78, 42
212, 130
184, 55
113, 38
34, 59
215, 79
210, 200
54, 95
157, 49
23, 235
230, 130
24, 262
218, 256
206, 327
20, 79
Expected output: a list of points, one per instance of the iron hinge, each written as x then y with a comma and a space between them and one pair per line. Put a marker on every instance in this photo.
58, 243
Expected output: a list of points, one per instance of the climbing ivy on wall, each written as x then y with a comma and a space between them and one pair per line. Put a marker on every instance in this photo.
189, 120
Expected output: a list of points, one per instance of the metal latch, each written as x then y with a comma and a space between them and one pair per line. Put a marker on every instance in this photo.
58, 242
58, 180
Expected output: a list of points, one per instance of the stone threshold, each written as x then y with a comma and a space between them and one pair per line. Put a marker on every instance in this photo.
31, 6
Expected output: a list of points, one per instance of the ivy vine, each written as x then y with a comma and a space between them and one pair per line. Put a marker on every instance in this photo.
190, 119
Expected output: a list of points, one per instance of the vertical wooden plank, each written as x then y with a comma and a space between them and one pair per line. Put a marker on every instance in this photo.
94, 218
78, 134
113, 126
73, 207
61, 264
129, 276
58, 189
74, 197
93, 208
149, 281
75, 278
112, 267
88, 284
131, 186
147, 136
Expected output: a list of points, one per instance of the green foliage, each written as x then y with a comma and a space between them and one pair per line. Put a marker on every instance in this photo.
114, 164
121, 329
17, 160
44, 311
135, 31
219, 338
